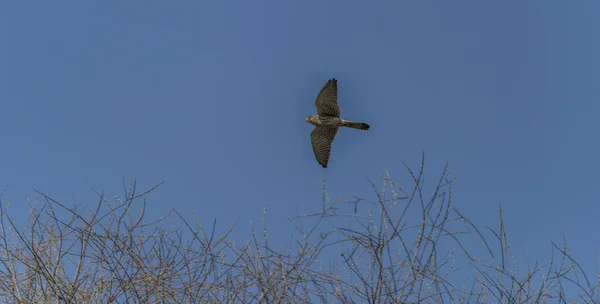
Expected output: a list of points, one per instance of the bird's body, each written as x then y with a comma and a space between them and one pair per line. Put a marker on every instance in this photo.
327, 122
335, 122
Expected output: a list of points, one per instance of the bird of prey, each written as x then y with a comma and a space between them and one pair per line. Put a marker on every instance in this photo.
327, 121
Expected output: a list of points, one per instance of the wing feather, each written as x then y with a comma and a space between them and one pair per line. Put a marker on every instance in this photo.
327, 100
321, 139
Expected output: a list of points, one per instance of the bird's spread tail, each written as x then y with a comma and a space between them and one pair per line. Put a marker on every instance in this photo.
356, 125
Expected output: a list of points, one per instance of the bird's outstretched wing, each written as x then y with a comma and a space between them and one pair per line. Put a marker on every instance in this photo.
321, 139
327, 100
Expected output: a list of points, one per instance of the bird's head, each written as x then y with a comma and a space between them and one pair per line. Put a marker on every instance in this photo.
310, 120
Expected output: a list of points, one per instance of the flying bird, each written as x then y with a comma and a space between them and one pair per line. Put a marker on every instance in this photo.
328, 121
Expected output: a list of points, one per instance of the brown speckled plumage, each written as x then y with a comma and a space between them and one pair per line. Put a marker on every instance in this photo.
328, 121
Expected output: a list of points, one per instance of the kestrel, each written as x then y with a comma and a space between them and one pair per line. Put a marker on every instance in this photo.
327, 121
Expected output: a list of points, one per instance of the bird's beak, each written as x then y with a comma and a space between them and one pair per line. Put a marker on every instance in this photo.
306, 119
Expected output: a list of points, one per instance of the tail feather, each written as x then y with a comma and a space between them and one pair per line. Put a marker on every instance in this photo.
356, 125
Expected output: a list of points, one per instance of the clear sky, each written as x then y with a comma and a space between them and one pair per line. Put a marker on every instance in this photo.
211, 96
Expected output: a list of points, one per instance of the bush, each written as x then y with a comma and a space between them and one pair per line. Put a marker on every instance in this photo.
402, 246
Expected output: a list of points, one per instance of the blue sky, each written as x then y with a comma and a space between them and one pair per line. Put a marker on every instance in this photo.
210, 97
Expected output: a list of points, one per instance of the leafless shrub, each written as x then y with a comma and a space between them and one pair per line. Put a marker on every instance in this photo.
401, 246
